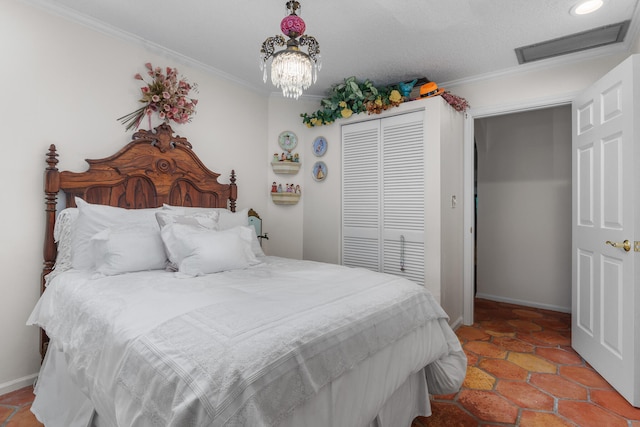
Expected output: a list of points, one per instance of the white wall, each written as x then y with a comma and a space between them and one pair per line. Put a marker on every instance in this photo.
322, 208
322, 217
66, 84
285, 222
452, 214
524, 208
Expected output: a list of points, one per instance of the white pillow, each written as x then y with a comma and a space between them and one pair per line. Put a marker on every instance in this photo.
197, 251
95, 218
124, 250
230, 219
204, 219
227, 220
190, 209
255, 244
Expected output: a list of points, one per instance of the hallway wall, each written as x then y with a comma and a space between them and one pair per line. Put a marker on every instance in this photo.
524, 208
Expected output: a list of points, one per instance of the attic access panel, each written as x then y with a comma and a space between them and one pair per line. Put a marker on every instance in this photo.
601, 36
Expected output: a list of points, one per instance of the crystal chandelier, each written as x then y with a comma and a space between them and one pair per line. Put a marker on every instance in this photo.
291, 69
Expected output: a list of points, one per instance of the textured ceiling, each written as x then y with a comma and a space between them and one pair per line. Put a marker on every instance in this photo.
384, 40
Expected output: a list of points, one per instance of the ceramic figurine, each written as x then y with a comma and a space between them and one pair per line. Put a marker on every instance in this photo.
298, 190
276, 157
279, 188
405, 88
283, 157
296, 158
274, 187
288, 156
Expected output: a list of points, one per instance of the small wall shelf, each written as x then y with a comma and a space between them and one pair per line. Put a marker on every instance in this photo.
285, 198
286, 167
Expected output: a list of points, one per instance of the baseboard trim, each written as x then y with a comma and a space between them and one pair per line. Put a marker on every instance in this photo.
524, 303
456, 323
17, 384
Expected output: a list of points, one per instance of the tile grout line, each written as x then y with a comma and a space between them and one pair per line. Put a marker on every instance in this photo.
15, 411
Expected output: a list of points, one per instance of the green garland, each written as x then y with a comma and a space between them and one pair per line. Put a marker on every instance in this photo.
353, 97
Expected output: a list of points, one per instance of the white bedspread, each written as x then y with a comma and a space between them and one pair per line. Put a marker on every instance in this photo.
244, 347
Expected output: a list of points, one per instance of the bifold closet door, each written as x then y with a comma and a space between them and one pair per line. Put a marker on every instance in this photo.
403, 187
383, 206
361, 195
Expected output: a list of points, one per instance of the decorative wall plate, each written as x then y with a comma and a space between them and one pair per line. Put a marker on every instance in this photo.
319, 171
320, 146
287, 140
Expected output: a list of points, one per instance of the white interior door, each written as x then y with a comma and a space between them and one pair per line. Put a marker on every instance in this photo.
606, 208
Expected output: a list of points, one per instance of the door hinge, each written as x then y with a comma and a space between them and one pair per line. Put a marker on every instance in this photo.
636, 246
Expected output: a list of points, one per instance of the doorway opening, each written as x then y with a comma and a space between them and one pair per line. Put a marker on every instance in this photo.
518, 190
523, 208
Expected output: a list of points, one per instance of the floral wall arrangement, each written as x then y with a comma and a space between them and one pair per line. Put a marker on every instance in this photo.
355, 97
166, 94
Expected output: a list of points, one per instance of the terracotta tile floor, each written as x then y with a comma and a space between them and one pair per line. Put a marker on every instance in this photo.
15, 409
522, 372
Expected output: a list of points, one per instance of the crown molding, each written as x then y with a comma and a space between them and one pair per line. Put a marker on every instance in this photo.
109, 30
625, 47
570, 59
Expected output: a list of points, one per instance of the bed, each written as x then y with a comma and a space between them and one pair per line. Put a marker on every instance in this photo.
159, 308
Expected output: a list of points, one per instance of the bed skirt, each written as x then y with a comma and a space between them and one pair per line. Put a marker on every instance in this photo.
383, 398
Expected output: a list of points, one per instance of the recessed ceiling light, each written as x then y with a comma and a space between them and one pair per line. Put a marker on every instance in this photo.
586, 7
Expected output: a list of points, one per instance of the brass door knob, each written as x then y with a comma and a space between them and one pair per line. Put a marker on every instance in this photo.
624, 245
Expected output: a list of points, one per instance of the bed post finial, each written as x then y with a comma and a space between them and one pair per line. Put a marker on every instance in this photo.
51, 188
233, 194
52, 161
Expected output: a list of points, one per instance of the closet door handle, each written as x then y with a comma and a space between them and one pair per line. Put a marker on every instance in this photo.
402, 253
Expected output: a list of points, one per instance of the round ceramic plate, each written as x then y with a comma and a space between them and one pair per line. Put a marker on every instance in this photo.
319, 171
320, 146
287, 140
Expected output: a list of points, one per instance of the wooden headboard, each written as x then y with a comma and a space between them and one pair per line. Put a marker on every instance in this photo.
156, 167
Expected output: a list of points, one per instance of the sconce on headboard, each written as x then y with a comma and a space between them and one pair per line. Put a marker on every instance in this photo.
256, 222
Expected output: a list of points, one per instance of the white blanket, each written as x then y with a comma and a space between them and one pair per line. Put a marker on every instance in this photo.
237, 348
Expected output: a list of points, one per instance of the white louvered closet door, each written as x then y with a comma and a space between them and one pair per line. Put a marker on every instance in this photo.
361, 195
383, 195
403, 187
